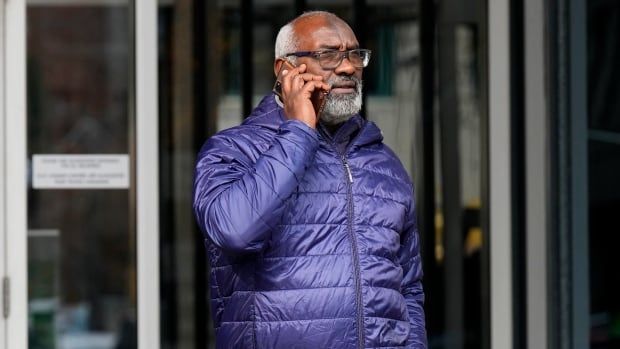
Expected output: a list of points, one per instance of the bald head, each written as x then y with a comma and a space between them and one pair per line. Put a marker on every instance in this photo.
320, 32
293, 36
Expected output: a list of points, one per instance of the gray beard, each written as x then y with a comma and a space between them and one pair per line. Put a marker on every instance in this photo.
340, 108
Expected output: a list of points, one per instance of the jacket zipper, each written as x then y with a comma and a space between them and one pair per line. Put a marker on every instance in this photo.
354, 251
355, 254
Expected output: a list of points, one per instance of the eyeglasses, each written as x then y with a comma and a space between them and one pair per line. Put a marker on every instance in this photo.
330, 59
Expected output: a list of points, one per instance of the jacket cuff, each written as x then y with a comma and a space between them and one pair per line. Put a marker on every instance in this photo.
301, 134
301, 126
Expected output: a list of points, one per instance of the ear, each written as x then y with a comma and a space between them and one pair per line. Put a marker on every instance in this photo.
277, 65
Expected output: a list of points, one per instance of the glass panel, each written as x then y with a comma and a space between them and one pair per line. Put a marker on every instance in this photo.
391, 80
81, 206
603, 70
470, 138
456, 260
200, 87
177, 81
226, 50
604, 205
200, 93
604, 170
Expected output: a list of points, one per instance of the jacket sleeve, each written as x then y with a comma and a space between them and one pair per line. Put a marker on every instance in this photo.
411, 286
238, 200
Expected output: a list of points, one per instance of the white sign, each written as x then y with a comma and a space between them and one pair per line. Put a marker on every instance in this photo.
92, 171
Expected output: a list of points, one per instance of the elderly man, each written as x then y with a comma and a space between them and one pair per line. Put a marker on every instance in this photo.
309, 222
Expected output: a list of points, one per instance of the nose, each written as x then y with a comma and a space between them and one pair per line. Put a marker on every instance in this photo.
345, 67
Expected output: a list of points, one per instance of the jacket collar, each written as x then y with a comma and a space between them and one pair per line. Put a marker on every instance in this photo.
345, 134
361, 132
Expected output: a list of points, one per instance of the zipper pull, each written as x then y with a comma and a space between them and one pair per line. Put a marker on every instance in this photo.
346, 166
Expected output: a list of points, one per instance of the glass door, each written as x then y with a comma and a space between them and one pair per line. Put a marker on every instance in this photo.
83, 169
81, 201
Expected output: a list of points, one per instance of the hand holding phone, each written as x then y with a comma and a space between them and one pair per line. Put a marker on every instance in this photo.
303, 94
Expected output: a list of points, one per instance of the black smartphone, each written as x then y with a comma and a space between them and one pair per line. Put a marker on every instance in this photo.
318, 98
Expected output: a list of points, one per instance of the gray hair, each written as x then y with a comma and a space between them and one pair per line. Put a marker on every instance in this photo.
286, 41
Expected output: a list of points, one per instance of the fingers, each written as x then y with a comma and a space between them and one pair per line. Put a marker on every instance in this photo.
307, 77
310, 86
297, 77
295, 70
298, 87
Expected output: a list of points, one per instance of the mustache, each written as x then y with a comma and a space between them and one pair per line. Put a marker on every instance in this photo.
343, 80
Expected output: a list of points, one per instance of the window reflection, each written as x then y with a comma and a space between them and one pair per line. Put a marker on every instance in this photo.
603, 72
227, 51
456, 278
81, 242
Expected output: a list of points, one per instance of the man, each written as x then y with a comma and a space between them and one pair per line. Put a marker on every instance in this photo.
310, 224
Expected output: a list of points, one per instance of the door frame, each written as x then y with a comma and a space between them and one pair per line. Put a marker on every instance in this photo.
147, 173
14, 166
2, 180
15, 173
500, 197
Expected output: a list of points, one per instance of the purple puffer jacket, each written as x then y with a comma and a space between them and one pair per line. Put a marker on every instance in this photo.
312, 240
